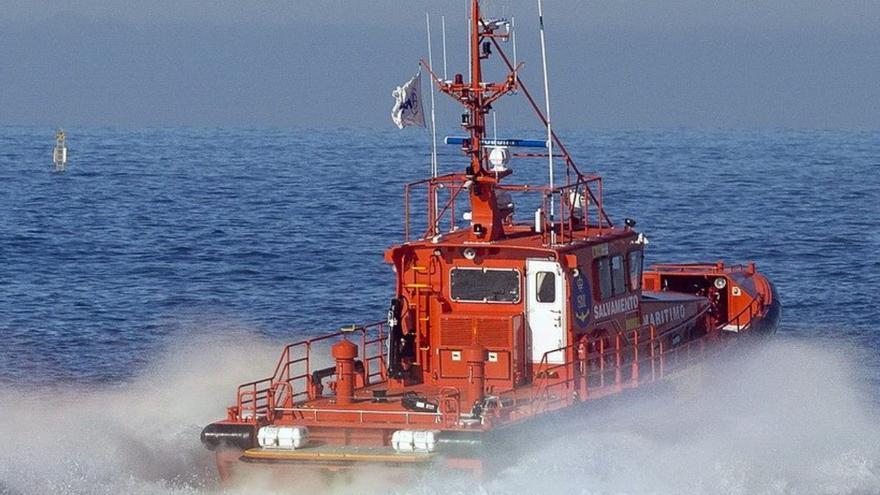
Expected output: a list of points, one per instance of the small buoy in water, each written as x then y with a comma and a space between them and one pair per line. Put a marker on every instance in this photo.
59, 155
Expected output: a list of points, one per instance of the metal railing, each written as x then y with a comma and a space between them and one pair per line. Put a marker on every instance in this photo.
291, 381
589, 368
598, 366
448, 401
601, 366
743, 320
579, 207
718, 266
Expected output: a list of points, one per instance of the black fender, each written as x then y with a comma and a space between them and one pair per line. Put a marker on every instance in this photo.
229, 435
767, 325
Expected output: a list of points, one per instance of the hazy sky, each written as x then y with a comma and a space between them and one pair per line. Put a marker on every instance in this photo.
614, 63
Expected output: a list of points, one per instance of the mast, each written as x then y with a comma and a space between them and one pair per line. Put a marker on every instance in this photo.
477, 97
484, 211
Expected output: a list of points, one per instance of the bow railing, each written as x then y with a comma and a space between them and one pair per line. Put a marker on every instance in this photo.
292, 381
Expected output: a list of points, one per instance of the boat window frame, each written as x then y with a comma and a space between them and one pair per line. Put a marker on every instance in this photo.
542, 282
635, 282
603, 277
620, 273
519, 287
606, 287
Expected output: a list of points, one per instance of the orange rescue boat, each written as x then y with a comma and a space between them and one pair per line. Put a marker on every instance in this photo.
494, 323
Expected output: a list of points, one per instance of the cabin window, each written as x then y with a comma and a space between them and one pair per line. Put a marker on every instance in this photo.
484, 285
545, 287
611, 274
635, 270
603, 269
618, 275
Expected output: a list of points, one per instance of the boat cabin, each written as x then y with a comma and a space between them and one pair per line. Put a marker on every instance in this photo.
519, 299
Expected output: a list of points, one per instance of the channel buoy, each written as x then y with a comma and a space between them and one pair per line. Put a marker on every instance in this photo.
59, 154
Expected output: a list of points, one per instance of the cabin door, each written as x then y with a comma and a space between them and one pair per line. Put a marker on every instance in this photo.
545, 307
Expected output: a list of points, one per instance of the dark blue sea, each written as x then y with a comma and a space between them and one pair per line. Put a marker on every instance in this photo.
164, 266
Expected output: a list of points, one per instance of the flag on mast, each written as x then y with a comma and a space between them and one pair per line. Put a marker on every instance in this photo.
407, 109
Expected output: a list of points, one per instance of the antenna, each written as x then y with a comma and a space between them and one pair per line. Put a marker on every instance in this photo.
443, 25
434, 166
477, 97
549, 126
433, 116
513, 40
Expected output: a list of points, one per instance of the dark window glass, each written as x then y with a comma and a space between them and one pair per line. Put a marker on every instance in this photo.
618, 275
635, 270
546, 287
603, 269
484, 285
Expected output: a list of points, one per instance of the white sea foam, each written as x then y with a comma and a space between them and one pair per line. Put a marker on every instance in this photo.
788, 417
137, 437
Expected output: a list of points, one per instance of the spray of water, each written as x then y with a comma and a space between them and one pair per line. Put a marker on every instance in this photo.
135, 437
786, 417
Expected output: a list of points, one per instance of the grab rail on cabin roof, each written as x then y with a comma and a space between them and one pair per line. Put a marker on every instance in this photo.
572, 218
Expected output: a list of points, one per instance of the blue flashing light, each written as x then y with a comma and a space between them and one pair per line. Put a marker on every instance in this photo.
510, 143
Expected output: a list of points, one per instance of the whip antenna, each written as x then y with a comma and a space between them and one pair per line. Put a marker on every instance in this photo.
513, 40
549, 126
443, 26
433, 116
434, 167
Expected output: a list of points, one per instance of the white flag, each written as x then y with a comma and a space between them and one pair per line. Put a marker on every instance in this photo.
407, 109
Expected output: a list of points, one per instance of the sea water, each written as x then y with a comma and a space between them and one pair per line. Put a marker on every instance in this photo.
165, 266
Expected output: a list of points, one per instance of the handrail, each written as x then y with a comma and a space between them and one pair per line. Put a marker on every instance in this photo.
449, 401
758, 300
719, 266
629, 357
450, 396
642, 345
572, 217
434, 219
266, 395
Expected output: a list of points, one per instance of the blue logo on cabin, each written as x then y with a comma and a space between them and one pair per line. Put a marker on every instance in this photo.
580, 300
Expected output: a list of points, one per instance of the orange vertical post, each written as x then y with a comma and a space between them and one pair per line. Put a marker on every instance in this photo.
584, 369
662, 359
344, 352
618, 362
634, 375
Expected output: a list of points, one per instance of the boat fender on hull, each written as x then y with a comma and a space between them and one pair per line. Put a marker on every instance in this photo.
769, 322
283, 437
415, 441
416, 403
237, 436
